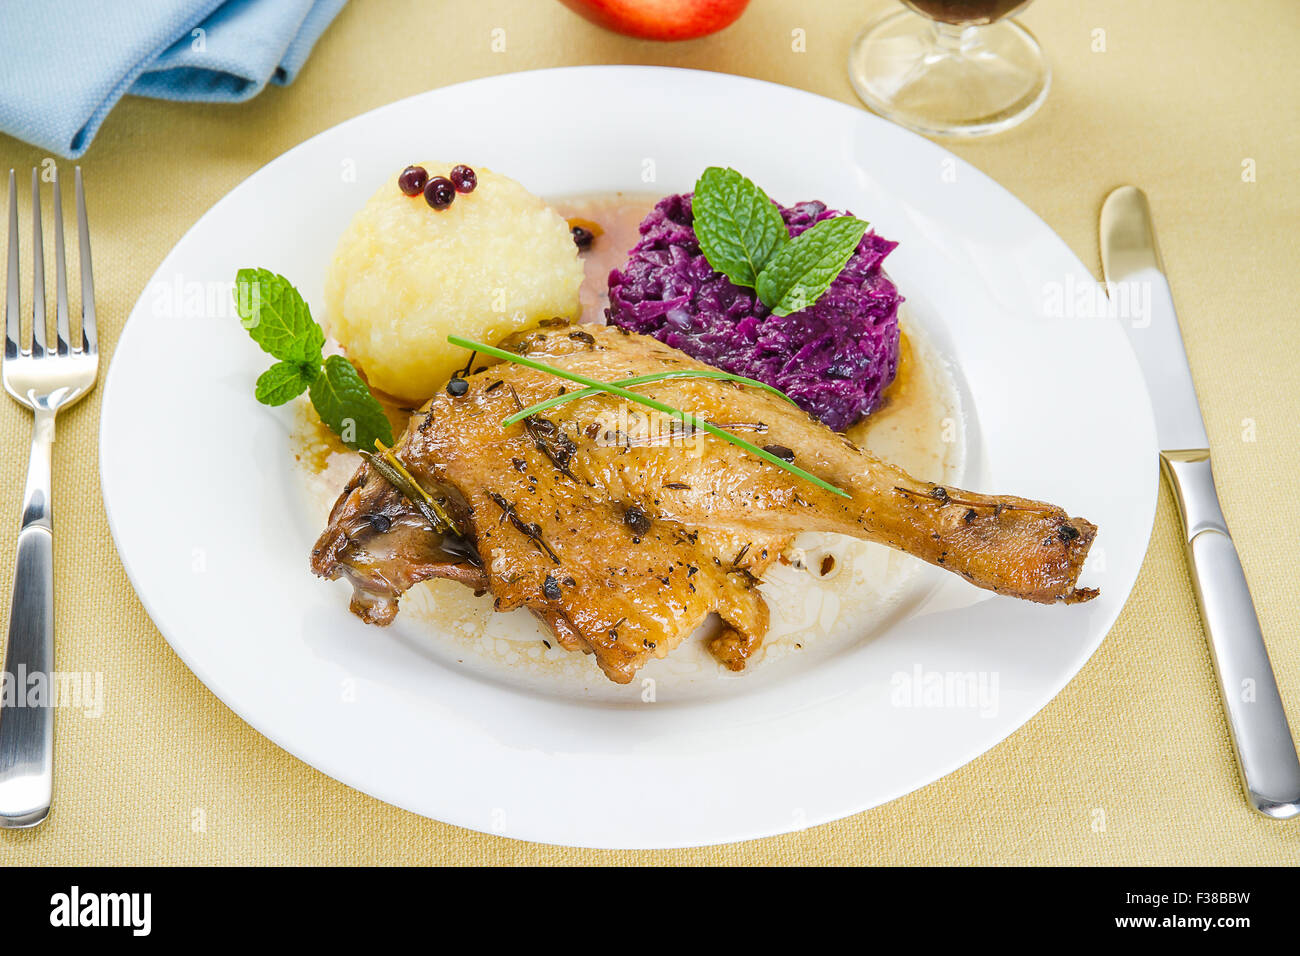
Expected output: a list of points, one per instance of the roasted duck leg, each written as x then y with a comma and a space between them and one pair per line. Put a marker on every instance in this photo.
623, 532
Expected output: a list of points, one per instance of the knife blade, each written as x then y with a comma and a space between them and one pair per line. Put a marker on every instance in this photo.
1261, 737
1133, 269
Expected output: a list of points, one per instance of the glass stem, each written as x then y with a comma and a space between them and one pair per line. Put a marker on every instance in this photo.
955, 39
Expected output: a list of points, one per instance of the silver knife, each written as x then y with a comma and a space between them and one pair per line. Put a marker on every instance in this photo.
1266, 755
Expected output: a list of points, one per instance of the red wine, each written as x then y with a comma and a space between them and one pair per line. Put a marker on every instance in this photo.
965, 11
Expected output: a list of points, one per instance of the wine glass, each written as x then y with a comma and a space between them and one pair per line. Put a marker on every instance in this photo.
951, 67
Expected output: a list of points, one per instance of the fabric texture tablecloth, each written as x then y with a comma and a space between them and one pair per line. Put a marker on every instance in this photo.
1131, 763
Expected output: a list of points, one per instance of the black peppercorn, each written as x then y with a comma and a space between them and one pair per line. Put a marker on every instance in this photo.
636, 519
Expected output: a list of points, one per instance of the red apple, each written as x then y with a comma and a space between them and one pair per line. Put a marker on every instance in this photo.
660, 19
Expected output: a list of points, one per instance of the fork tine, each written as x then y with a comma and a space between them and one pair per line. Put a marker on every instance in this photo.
38, 270
60, 271
89, 331
13, 319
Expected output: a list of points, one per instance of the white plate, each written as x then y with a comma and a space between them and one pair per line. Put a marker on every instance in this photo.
203, 501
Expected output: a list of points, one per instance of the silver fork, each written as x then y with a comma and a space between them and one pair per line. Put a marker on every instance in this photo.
46, 379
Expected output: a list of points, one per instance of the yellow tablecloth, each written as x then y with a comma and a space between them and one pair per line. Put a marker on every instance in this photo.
1130, 764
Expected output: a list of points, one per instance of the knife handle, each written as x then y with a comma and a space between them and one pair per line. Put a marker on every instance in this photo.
1261, 737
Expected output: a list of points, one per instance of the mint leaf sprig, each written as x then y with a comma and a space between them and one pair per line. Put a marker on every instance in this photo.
738, 227
743, 236
277, 318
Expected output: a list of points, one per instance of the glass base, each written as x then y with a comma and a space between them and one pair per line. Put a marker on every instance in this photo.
948, 80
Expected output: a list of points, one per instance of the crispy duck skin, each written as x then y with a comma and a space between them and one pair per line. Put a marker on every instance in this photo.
623, 538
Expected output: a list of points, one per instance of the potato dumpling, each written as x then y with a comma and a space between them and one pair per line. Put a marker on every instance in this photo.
405, 276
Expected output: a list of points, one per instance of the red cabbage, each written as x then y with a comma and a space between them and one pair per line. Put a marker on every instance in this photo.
835, 358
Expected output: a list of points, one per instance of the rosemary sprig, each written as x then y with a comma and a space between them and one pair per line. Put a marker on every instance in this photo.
684, 417
395, 474
643, 380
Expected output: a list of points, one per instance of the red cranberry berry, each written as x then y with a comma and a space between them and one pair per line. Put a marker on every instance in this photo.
412, 180
464, 179
439, 193
582, 236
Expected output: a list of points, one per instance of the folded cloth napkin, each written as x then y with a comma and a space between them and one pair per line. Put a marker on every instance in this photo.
65, 63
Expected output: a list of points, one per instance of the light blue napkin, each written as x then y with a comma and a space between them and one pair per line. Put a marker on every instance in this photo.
65, 63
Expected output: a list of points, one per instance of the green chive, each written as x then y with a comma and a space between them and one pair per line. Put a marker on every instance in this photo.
684, 417
643, 380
